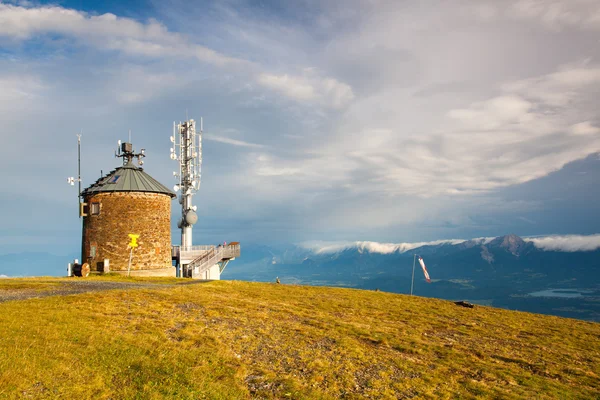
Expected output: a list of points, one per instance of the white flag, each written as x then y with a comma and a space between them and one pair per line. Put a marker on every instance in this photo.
424, 270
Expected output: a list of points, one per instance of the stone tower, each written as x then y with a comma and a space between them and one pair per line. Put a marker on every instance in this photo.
124, 210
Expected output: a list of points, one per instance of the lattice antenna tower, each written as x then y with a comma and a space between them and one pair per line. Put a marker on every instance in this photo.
187, 150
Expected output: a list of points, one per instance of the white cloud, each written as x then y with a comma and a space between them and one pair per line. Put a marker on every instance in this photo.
584, 128
233, 142
522, 134
107, 31
568, 243
21, 96
326, 91
132, 84
291, 86
494, 113
556, 15
154, 40
264, 167
503, 130
373, 247
19, 87
559, 14
23, 22
560, 88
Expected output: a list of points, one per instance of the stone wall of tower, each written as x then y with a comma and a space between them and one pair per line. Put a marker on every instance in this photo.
105, 235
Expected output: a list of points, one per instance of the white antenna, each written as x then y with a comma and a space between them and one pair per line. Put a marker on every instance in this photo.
187, 150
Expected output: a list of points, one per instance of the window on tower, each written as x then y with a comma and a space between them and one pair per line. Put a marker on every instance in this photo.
95, 208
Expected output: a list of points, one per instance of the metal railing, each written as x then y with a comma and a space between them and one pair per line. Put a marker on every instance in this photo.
232, 250
204, 258
197, 248
205, 262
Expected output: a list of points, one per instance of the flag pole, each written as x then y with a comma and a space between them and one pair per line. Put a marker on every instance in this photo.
412, 281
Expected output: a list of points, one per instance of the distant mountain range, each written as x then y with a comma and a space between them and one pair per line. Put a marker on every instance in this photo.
506, 271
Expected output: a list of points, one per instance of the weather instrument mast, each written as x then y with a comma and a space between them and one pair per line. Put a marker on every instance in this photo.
187, 150
126, 152
71, 180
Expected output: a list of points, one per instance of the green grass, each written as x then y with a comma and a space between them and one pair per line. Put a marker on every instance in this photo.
235, 340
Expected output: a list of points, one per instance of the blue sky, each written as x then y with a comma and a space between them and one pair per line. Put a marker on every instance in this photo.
332, 121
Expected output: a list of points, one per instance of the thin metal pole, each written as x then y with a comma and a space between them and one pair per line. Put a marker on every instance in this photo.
79, 170
413, 274
129, 266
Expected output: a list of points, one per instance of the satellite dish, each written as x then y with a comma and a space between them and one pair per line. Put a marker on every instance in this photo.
172, 140
119, 142
176, 188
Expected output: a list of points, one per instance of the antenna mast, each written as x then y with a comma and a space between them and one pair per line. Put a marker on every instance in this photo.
79, 164
71, 180
187, 149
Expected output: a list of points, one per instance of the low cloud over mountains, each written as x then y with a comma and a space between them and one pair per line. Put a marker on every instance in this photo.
566, 243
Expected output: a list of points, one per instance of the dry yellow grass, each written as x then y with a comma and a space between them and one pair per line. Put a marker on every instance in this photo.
234, 340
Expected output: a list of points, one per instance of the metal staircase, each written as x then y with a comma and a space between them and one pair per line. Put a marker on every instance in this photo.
205, 261
209, 256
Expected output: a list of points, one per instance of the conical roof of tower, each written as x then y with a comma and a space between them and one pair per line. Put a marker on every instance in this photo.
127, 178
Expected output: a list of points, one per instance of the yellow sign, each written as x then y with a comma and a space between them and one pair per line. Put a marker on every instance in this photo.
134, 239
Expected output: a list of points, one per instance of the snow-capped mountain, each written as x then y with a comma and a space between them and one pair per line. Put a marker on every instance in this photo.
503, 271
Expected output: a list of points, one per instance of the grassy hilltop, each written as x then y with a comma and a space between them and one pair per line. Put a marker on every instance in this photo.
236, 340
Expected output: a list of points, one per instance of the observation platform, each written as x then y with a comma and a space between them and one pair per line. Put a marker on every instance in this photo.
205, 261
